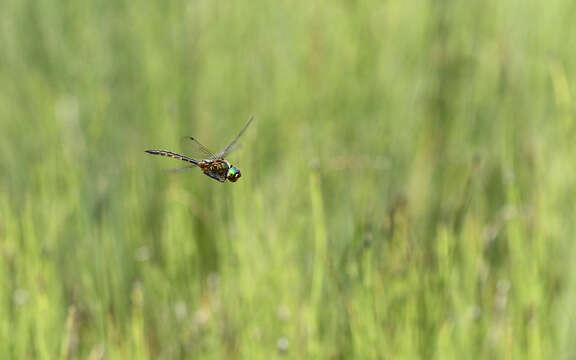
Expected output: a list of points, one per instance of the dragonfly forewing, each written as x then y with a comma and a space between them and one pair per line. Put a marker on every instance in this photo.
232, 145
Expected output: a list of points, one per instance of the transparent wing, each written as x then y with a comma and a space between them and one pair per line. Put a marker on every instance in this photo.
232, 145
200, 149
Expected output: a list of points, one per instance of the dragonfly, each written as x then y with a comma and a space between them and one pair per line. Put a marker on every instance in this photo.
214, 165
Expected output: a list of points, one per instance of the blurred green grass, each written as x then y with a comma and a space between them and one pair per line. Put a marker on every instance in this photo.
406, 192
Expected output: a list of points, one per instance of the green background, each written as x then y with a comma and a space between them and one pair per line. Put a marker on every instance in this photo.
408, 186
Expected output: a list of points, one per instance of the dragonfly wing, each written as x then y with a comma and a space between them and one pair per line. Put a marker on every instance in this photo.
199, 148
232, 145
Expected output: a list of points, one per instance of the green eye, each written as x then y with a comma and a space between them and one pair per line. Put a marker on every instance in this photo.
233, 174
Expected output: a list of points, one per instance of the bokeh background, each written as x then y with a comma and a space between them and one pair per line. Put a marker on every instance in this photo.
408, 186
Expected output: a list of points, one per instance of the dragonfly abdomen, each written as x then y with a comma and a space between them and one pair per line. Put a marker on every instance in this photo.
172, 155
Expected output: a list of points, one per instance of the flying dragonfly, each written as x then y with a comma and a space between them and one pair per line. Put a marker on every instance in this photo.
214, 165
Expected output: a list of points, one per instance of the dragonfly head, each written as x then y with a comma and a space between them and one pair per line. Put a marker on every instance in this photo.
233, 174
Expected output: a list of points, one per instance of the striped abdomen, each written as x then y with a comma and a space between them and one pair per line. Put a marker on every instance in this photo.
172, 155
